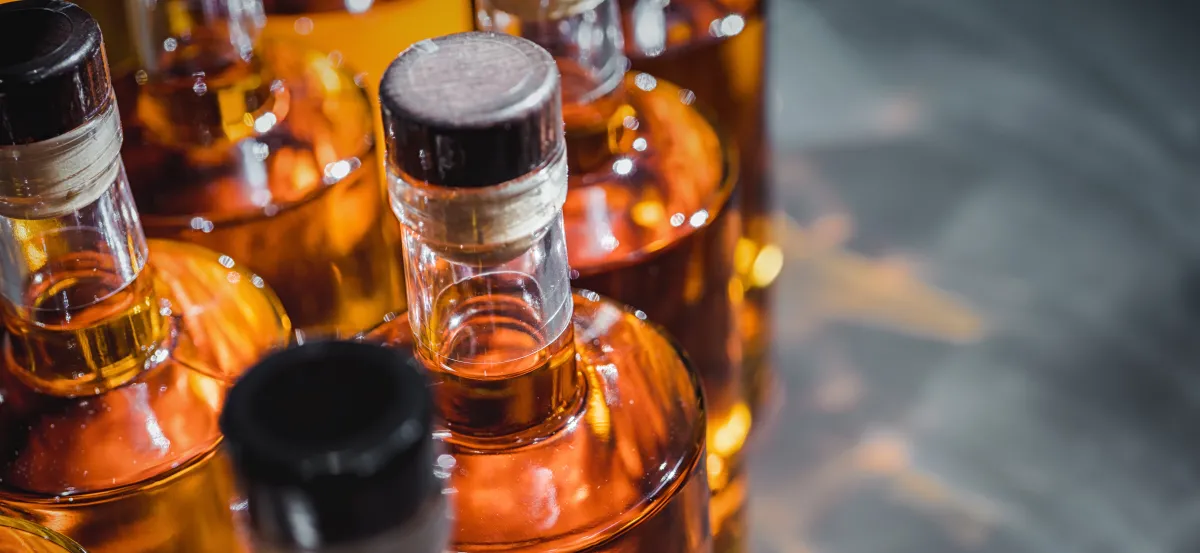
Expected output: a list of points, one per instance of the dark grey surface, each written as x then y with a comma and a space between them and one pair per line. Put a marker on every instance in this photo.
1002, 355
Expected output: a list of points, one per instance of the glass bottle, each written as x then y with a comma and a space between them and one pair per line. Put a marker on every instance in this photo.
262, 151
716, 49
332, 445
575, 425
21, 536
119, 349
367, 33
648, 215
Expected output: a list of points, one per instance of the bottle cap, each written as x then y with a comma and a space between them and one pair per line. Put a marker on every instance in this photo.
471, 109
331, 442
53, 74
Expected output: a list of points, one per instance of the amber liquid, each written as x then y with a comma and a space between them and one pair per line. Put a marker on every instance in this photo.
715, 48
108, 429
649, 223
371, 39
274, 165
367, 40
592, 442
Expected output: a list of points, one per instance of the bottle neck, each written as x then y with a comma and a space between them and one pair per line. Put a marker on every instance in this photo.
586, 39
490, 299
202, 82
80, 315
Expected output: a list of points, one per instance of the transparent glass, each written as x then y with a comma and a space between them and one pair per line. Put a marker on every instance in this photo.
716, 49
262, 151
367, 34
648, 216
613, 462
573, 424
112, 385
19, 536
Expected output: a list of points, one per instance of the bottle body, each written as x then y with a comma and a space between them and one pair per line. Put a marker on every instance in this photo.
21, 535
716, 49
619, 467
370, 36
294, 191
657, 230
118, 350
571, 424
133, 468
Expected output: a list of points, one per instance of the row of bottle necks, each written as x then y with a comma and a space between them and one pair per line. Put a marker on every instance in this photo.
288, 192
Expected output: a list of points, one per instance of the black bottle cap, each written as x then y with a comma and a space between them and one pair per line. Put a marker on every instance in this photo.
471, 109
53, 74
331, 442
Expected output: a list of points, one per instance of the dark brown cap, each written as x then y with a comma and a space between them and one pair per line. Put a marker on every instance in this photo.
53, 75
340, 431
471, 109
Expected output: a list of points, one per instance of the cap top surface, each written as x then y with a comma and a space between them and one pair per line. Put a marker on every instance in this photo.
471, 109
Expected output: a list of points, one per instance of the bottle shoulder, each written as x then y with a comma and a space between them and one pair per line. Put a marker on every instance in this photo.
631, 445
672, 174
229, 316
217, 322
312, 130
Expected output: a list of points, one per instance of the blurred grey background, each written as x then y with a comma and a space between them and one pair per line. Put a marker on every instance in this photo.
987, 319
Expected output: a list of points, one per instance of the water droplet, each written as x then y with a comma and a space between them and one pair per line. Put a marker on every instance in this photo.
732, 25
170, 44
358, 6
200, 88
303, 25
265, 122
623, 166
260, 151
645, 82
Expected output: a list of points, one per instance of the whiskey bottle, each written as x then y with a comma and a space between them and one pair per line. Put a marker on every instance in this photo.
648, 215
264, 152
368, 34
332, 445
716, 49
575, 425
119, 349
22, 536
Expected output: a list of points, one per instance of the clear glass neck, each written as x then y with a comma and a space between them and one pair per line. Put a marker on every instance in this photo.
184, 37
201, 84
72, 250
585, 38
490, 298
